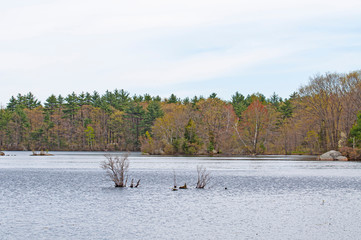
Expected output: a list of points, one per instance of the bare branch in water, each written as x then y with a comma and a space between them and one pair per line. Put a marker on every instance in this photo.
117, 168
203, 176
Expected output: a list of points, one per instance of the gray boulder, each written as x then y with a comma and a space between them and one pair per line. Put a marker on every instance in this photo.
341, 158
332, 156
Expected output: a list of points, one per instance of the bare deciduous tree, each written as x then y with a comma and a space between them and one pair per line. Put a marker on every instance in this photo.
117, 168
322, 99
203, 176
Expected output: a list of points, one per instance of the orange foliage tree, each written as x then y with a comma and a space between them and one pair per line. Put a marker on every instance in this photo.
256, 121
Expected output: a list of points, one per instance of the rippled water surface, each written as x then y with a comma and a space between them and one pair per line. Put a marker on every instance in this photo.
67, 196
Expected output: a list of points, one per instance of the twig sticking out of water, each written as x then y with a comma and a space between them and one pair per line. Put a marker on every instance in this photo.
203, 176
132, 184
136, 185
174, 179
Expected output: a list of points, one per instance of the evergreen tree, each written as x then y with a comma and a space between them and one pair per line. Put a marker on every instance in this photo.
213, 95
186, 101
71, 106
96, 99
194, 101
60, 100
21, 125
123, 97
51, 104
286, 109
81, 99
147, 98
5, 118
134, 115
90, 136
157, 99
23, 101
154, 111
355, 133
173, 99
138, 99
12, 103
275, 101
31, 102
119, 99
239, 104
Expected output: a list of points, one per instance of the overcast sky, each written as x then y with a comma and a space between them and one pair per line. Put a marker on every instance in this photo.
188, 47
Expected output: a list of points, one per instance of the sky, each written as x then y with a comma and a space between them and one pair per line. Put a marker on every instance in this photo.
160, 47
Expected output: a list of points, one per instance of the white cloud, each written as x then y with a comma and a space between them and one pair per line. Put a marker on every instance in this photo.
23, 62
100, 17
199, 67
104, 44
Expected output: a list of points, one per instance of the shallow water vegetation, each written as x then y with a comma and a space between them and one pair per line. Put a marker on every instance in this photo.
117, 169
132, 185
203, 176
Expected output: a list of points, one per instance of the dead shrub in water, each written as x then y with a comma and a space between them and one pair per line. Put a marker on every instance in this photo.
203, 177
117, 169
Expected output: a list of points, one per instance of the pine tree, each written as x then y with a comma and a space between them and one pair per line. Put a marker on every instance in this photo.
71, 106
134, 115
173, 99
355, 133
154, 111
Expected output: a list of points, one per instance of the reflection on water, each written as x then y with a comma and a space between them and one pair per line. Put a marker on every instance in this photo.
67, 196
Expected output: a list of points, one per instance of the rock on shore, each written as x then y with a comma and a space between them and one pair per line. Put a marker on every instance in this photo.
2, 154
41, 153
332, 156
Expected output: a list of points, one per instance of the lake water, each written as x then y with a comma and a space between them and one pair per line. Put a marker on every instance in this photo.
67, 196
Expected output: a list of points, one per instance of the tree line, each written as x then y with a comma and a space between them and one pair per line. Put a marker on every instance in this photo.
321, 115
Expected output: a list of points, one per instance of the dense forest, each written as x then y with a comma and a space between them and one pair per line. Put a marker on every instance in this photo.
320, 116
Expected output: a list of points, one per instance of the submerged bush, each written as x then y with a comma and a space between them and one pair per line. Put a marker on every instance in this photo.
203, 177
117, 169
